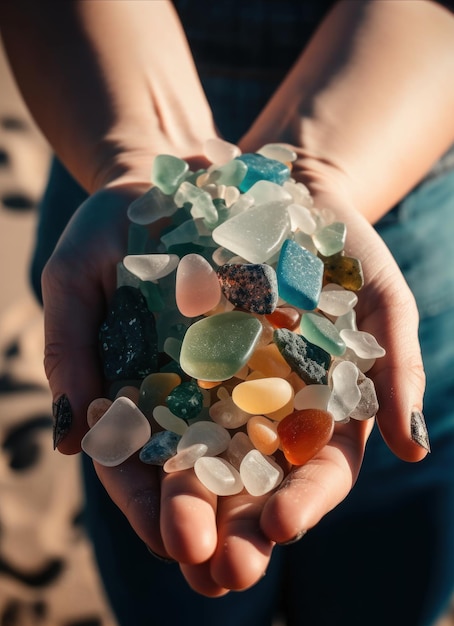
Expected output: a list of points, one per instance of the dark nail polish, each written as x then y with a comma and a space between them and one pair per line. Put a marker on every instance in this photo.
295, 539
419, 432
163, 559
63, 416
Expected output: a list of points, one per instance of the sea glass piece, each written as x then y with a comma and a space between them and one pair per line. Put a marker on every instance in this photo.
185, 459
218, 476
226, 413
185, 400
368, 404
362, 343
260, 474
249, 286
152, 295
159, 448
304, 433
312, 397
299, 192
347, 320
151, 207
256, 234
261, 168
364, 365
214, 436
262, 396
216, 347
231, 195
154, 389
299, 276
263, 434
345, 271
197, 288
184, 233
345, 393
167, 420
309, 361
121, 431
337, 301
264, 191
278, 152
331, 239
269, 361
230, 174
96, 410
285, 317
220, 151
239, 446
301, 218
128, 338
320, 331
201, 201
151, 266
168, 172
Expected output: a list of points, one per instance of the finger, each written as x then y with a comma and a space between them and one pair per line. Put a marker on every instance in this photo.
314, 489
188, 518
134, 487
243, 551
199, 578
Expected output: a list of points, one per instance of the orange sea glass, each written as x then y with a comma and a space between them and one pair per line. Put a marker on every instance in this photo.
304, 433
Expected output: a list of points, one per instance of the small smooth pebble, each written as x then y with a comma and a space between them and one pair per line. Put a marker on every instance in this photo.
216, 347
167, 420
331, 239
299, 276
239, 446
185, 459
345, 391
197, 288
168, 172
214, 436
118, 434
260, 474
159, 448
262, 396
312, 397
218, 476
226, 413
309, 361
362, 343
321, 331
151, 266
252, 287
263, 434
335, 300
219, 151
304, 433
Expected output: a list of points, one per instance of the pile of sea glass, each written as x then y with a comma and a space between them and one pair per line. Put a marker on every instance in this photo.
231, 341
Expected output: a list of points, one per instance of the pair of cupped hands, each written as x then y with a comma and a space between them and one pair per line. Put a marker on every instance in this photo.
223, 543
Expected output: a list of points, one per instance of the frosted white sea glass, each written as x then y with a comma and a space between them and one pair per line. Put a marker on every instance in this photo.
218, 476
118, 434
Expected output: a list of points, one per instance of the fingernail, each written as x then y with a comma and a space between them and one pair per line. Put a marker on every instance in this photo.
163, 559
419, 432
63, 417
294, 540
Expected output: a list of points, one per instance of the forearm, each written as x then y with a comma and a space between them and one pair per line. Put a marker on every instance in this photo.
370, 101
106, 82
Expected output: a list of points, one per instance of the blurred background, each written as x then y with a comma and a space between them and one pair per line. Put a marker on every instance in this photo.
47, 572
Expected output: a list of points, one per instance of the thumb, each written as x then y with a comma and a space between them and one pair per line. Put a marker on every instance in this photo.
78, 281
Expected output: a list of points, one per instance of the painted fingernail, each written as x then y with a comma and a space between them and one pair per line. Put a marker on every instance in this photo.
294, 539
163, 559
63, 417
419, 432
